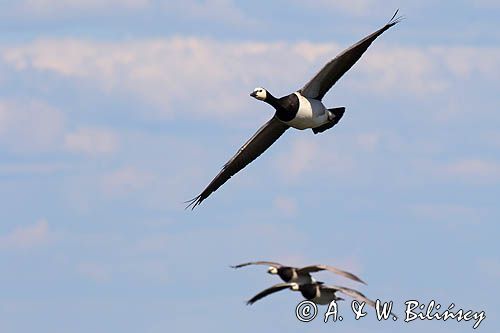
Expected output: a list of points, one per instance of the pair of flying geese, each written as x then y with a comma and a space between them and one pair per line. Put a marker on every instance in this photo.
301, 110
300, 279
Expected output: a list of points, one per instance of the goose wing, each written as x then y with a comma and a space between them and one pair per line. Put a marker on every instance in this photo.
270, 263
319, 85
269, 291
253, 148
318, 268
355, 295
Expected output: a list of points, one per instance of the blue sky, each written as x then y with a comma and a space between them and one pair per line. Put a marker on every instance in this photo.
114, 112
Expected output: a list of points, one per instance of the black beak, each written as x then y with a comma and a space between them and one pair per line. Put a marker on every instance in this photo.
253, 94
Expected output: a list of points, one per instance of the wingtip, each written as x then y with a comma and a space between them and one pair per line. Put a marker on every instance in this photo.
395, 20
357, 279
395, 13
192, 203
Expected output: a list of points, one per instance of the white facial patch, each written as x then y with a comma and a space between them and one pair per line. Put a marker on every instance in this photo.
260, 93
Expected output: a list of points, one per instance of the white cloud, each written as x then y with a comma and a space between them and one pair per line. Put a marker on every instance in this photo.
390, 70
214, 10
357, 7
368, 141
309, 156
465, 61
160, 71
168, 72
286, 206
473, 170
35, 127
94, 271
32, 126
454, 216
298, 159
27, 236
175, 69
486, 3
153, 244
140, 267
147, 269
31, 168
225, 11
57, 8
162, 256
91, 141
125, 180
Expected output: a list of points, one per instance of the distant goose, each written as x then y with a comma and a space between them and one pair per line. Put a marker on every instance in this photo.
316, 292
301, 110
299, 275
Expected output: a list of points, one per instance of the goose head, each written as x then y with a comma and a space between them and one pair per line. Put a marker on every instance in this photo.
259, 93
272, 270
295, 287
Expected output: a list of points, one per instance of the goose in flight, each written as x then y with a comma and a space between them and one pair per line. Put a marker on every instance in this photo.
317, 292
299, 275
301, 110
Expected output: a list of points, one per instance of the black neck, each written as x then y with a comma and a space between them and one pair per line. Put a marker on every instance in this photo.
273, 101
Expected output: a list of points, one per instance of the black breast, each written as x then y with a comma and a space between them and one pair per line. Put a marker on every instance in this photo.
308, 291
285, 273
288, 107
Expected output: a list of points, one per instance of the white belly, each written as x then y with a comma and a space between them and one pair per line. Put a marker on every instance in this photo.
312, 113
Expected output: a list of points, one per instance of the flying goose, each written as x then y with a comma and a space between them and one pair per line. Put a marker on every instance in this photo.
317, 292
299, 275
301, 110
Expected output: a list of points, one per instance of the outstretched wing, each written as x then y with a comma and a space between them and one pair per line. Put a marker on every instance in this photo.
253, 148
270, 263
356, 295
269, 291
318, 268
333, 71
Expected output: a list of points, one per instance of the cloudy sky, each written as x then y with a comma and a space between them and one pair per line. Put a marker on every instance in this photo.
114, 112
